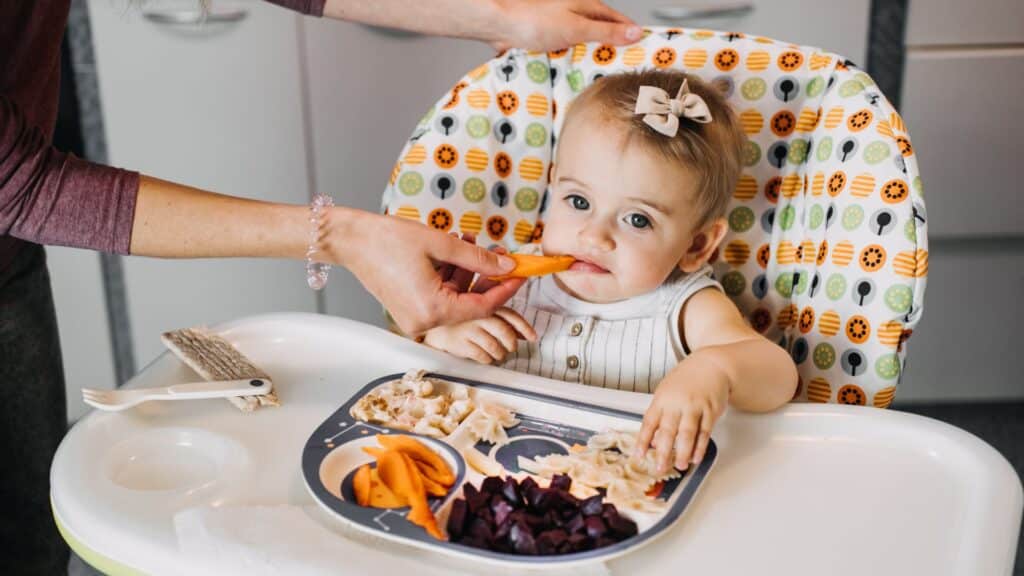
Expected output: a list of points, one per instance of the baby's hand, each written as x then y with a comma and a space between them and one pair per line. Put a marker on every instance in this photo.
686, 405
487, 340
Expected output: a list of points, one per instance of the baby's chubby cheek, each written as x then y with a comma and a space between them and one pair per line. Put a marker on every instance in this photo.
554, 242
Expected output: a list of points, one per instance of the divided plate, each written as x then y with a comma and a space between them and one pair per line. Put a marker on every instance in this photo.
547, 424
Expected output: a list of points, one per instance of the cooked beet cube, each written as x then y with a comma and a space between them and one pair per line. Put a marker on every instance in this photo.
620, 526
559, 536
480, 530
495, 498
575, 524
468, 490
566, 501
477, 502
541, 500
457, 520
545, 546
491, 485
510, 490
560, 482
485, 514
528, 484
592, 506
578, 542
501, 534
549, 541
518, 514
557, 519
595, 527
501, 511
522, 540
535, 522
602, 542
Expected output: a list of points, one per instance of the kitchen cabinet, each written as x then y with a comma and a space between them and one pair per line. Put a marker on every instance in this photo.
219, 107
964, 65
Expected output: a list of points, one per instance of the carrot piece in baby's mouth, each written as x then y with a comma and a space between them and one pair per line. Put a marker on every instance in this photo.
528, 265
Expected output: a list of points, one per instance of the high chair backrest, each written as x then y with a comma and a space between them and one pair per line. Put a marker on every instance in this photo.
826, 252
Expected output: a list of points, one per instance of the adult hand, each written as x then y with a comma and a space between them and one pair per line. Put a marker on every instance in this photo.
556, 24
409, 268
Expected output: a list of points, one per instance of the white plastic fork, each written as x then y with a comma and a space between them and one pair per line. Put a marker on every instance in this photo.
120, 399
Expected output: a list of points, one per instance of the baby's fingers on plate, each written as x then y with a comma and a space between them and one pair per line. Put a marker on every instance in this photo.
647, 430
686, 437
664, 439
706, 422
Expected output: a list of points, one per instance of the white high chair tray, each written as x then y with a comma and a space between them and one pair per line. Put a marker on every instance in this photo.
810, 489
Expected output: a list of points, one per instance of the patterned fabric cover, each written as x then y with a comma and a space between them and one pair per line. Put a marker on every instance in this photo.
826, 252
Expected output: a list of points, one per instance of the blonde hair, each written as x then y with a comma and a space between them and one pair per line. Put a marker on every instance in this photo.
712, 151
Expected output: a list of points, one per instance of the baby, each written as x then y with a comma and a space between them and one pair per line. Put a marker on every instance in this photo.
646, 165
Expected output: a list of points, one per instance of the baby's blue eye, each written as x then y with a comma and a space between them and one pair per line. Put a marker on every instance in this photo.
579, 202
638, 221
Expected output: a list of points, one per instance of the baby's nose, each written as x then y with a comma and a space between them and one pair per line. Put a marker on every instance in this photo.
596, 238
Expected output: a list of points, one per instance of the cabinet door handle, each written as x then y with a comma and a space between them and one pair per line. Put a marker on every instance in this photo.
683, 13
191, 17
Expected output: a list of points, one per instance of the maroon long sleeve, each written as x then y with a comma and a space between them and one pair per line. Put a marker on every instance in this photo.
48, 196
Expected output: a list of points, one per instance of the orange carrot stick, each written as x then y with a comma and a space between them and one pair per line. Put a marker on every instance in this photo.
429, 462
361, 485
380, 495
535, 265
399, 473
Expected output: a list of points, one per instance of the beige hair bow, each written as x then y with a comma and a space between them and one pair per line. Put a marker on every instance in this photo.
662, 113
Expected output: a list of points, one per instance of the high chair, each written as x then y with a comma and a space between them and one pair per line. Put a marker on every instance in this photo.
827, 246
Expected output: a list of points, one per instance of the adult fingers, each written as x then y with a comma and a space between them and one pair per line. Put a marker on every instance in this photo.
601, 11
685, 437
596, 28
483, 284
495, 296
462, 279
521, 326
461, 306
474, 258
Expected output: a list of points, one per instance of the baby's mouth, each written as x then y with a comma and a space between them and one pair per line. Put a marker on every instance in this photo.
586, 266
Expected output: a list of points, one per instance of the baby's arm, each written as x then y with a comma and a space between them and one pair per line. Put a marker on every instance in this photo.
486, 340
729, 363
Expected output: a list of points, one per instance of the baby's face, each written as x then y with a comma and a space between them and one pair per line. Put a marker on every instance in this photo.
620, 211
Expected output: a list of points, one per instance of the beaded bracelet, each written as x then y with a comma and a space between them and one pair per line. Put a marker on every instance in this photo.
317, 272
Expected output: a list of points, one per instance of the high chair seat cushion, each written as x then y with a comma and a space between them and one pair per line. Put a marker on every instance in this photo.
826, 252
